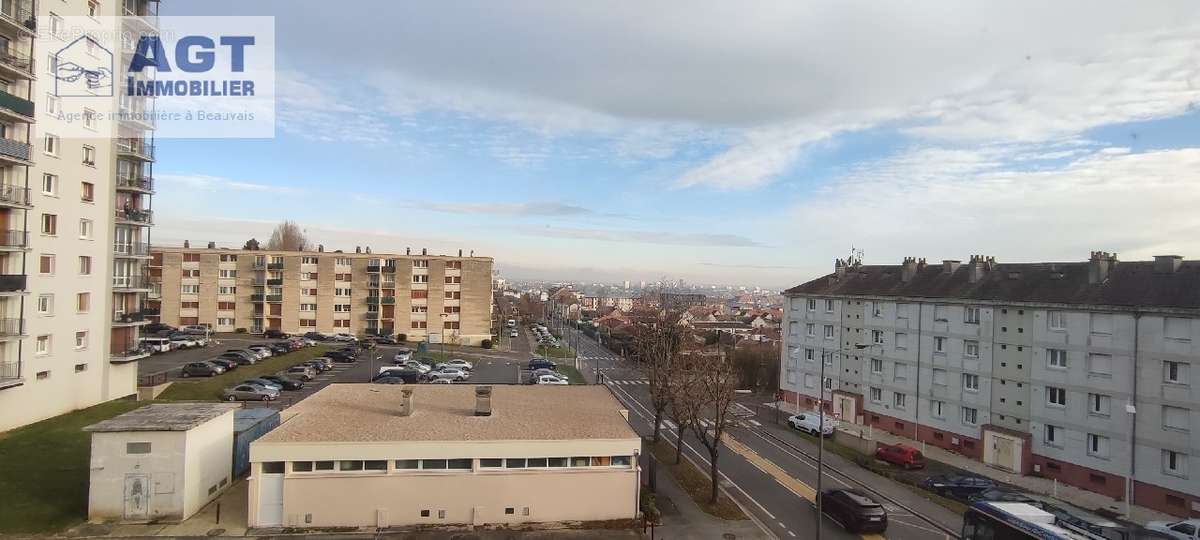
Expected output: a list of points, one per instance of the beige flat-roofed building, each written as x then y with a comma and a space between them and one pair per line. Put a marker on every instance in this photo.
349, 456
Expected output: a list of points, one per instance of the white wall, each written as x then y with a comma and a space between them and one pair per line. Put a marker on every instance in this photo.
164, 467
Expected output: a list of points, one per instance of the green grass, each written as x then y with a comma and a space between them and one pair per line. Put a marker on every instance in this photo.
210, 388
44, 470
556, 352
573, 375
695, 483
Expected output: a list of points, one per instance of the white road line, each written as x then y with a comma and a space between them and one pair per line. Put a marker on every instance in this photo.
792, 534
756, 424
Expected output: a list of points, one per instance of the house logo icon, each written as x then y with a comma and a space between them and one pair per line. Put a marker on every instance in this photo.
83, 68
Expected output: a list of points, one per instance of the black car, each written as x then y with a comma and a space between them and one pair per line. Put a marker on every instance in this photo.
385, 340
1001, 495
539, 363
275, 334
280, 348
318, 365
340, 357
408, 376
240, 356
957, 486
155, 327
315, 336
287, 383
382, 379
855, 510
200, 369
226, 363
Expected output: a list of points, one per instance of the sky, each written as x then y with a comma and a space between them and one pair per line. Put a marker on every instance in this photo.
741, 143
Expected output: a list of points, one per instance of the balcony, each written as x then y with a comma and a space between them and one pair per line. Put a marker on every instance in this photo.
136, 148
266, 298
141, 13
372, 300
12, 283
371, 315
132, 250
12, 327
10, 375
389, 269
16, 64
274, 297
14, 239
131, 354
151, 311
275, 266
135, 216
11, 195
387, 300
373, 268
129, 318
260, 266
275, 282
19, 16
15, 152
130, 282
258, 297
16, 108
139, 183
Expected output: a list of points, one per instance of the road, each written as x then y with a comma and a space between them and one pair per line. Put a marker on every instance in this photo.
767, 469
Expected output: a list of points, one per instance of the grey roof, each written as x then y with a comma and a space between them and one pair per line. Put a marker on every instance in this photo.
164, 417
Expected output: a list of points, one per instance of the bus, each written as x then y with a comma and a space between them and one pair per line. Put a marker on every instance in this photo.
991, 520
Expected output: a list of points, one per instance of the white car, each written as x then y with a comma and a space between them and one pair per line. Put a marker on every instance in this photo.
440, 381
1188, 529
450, 374
197, 329
514, 334
456, 364
183, 341
419, 366
403, 355
342, 336
809, 421
551, 379
263, 352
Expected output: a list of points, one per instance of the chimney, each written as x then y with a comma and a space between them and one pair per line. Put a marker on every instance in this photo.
358, 249
186, 244
979, 266
320, 248
950, 267
908, 269
408, 251
368, 250
460, 253
472, 253
921, 264
424, 251
483, 401
1101, 262
839, 268
1166, 264
406, 403
212, 245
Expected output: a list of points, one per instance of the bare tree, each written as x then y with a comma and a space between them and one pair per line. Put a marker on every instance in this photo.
288, 236
716, 384
657, 343
681, 397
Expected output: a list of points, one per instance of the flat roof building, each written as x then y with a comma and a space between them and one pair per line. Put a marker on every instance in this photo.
381, 455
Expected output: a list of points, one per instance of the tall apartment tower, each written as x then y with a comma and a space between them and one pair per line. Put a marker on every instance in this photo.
1084, 372
76, 218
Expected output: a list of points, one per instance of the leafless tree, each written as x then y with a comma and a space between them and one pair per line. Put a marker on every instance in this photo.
681, 397
716, 384
657, 344
288, 236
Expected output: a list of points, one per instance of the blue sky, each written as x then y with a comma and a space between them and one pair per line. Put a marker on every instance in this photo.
709, 142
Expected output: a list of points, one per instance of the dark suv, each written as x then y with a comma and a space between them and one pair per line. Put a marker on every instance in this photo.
957, 486
855, 510
201, 369
340, 357
275, 334
540, 363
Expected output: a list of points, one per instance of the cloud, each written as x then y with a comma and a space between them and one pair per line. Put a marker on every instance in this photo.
533, 209
644, 237
202, 182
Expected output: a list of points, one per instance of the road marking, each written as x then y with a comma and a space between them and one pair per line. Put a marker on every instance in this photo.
792, 534
755, 423
771, 469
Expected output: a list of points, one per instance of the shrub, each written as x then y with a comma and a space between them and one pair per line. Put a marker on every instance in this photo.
239, 331
487, 344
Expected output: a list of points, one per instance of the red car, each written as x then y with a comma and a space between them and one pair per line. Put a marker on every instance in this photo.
901, 456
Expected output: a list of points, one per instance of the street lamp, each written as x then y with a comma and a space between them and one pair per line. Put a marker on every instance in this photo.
444, 315
821, 438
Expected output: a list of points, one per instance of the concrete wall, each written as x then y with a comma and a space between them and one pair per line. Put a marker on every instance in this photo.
208, 462
163, 469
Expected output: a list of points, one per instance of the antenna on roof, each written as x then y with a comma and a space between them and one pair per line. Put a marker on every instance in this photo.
856, 257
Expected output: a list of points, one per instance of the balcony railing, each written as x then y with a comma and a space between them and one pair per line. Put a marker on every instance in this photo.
136, 215
136, 146
14, 194
373, 300
14, 239
130, 353
387, 300
15, 149
11, 326
275, 266
17, 61
260, 266
129, 317
13, 282
10, 373
274, 297
266, 298
389, 269
373, 268
258, 297
16, 104
144, 183
20, 14
130, 282
151, 311
132, 250
275, 282
371, 315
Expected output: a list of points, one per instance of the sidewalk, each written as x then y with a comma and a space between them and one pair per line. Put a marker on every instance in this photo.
1084, 499
682, 518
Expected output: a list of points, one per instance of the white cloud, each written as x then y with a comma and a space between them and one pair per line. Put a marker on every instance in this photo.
203, 182
644, 237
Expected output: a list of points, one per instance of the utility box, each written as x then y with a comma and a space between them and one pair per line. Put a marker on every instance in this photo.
248, 425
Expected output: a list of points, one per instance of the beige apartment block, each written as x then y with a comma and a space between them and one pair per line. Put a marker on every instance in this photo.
424, 297
74, 220
358, 455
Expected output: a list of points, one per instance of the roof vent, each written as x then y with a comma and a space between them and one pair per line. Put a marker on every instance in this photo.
483, 401
978, 266
406, 402
212, 245
1167, 264
1100, 263
908, 269
950, 267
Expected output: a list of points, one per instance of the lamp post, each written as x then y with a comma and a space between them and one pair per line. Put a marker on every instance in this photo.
444, 336
821, 438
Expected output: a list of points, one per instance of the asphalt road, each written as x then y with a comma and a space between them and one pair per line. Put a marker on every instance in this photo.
767, 468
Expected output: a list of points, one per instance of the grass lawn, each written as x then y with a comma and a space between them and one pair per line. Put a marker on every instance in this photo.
210, 388
695, 483
572, 374
556, 352
44, 470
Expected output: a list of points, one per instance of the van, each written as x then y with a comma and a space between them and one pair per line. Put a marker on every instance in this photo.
156, 344
809, 422
512, 323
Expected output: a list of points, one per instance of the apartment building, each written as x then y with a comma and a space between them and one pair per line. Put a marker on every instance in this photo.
74, 216
1082, 371
424, 297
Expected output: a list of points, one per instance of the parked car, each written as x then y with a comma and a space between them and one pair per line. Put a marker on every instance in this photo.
262, 352
157, 344
410, 376
449, 374
403, 355
514, 334
200, 340
275, 334
280, 348
856, 511
201, 369
328, 362
240, 356
315, 336
385, 340
198, 329
1002, 495
533, 375
1188, 529
302, 372
155, 327
227, 363
320, 367
344, 337
249, 392
537, 363
551, 379
440, 381
263, 382
340, 357
811, 423
287, 383
456, 363
901, 456
419, 366
388, 379
957, 486
366, 344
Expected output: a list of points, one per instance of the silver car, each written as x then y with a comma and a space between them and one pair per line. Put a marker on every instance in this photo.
449, 374
249, 392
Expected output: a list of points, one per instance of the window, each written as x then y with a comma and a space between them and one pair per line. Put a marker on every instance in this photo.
50, 184
308, 260
80, 368
420, 324
43, 345
137, 448
49, 224
308, 322
227, 290
230, 306
1056, 320
453, 279
902, 310
941, 313
52, 101
228, 258
224, 321
876, 309
420, 263
810, 380
93, 8
1098, 404
939, 377
898, 400
1100, 365
812, 304
227, 273
420, 309
828, 383
828, 331
189, 289
970, 416
1175, 418
1175, 372
971, 315
1102, 323
342, 261
420, 278
85, 265
901, 340
1056, 359
308, 307
1056, 396
970, 382
50, 145
491, 463
899, 371
81, 339
85, 229
453, 295
1051, 435
810, 330
45, 304
876, 395
810, 355
83, 302
971, 348
302, 466
341, 292
1178, 329
1174, 463
828, 306
877, 336
89, 156
1097, 445
450, 325
937, 409
939, 344
350, 465
876, 365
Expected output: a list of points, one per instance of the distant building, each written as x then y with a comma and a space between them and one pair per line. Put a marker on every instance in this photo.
357, 455
1082, 372
676, 300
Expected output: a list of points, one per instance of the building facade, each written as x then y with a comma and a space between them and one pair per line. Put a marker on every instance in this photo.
1083, 372
424, 297
74, 217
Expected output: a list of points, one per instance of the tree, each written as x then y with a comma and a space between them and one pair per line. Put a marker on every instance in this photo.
656, 344
716, 384
681, 393
288, 236
251, 245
